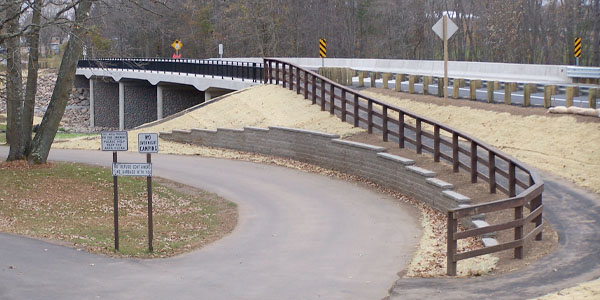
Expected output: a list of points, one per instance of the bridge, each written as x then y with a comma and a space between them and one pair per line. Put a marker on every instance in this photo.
128, 92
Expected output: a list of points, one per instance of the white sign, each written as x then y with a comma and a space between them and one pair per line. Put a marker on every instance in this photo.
221, 50
132, 169
438, 28
114, 140
148, 142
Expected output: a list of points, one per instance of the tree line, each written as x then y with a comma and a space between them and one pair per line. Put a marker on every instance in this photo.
516, 31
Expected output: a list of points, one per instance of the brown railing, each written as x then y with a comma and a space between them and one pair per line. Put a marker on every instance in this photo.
500, 171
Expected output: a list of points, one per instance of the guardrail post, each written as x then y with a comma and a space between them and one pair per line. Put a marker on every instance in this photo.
492, 171
356, 110
548, 92
440, 87
343, 105
385, 80
436, 143
490, 91
399, 79
384, 121
519, 232
411, 83
332, 100
455, 152
509, 87
370, 116
457, 83
528, 90
592, 95
451, 245
401, 129
372, 78
473, 86
426, 81
419, 134
314, 89
322, 95
361, 79
571, 92
473, 162
511, 179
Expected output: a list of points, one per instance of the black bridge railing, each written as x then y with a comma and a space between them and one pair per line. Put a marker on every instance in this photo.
197, 67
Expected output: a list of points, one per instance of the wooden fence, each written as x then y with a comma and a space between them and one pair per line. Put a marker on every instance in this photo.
481, 160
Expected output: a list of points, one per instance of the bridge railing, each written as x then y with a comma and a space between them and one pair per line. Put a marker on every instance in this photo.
522, 185
213, 68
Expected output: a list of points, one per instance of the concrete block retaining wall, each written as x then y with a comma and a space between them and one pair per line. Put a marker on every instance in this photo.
327, 150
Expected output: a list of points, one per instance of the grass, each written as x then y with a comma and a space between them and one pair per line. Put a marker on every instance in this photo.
74, 203
60, 135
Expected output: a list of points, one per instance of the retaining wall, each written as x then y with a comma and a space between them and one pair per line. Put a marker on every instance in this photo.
106, 103
140, 104
327, 150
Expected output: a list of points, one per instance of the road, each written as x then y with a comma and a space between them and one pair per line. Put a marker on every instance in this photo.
299, 236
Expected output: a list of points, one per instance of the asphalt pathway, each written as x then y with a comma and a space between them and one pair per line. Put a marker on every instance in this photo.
299, 236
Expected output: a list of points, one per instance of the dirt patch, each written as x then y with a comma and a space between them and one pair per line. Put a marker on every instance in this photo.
564, 145
72, 203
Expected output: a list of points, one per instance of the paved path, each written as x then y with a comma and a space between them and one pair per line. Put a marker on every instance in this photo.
300, 236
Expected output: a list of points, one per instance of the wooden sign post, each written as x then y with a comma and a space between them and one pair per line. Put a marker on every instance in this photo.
445, 28
148, 143
115, 141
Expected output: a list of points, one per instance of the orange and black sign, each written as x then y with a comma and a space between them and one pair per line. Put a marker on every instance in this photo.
577, 49
323, 48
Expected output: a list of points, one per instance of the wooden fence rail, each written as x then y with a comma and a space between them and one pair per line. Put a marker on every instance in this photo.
499, 170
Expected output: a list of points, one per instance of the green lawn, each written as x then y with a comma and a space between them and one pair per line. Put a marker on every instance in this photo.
74, 203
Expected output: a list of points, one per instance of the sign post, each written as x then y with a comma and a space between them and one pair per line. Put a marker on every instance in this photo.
148, 143
577, 50
115, 141
221, 51
323, 51
445, 28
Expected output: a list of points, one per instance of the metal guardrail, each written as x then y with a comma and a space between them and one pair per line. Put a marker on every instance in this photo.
583, 72
501, 173
214, 68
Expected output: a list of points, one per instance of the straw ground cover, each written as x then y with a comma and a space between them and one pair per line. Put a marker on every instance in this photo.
73, 204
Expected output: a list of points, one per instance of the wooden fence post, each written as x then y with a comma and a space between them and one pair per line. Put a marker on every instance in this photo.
419, 135
370, 116
436, 143
322, 95
535, 203
384, 123
343, 105
509, 87
519, 232
411, 83
332, 100
492, 171
314, 89
572, 92
401, 130
455, 152
452, 227
356, 110
457, 84
592, 96
473, 162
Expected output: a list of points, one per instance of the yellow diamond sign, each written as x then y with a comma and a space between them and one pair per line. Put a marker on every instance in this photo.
177, 45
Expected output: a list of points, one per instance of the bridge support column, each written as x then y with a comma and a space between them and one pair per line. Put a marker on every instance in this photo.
159, 102
121, 105
207, 95
92, 112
